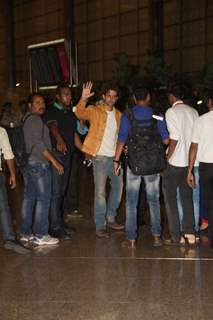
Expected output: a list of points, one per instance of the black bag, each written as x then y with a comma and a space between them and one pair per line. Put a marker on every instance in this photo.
146, 153
16, 138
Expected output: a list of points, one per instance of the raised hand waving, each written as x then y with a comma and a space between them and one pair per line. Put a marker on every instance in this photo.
87, 90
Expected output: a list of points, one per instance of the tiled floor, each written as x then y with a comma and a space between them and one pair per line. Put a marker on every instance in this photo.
97, 279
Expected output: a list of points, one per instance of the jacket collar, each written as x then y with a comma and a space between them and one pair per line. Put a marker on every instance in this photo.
58, 106
177, 102
104, 107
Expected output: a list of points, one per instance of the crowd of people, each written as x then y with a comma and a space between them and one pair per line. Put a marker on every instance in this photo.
175, 148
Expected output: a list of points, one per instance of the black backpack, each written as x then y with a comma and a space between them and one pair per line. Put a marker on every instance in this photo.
16, 138
146, 153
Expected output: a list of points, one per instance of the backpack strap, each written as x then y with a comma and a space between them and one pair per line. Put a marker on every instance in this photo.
23, 122
27, 116
135, 124
30, 115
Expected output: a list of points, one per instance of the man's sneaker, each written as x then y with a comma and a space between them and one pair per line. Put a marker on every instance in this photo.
157, 242
197, 237
68, 228
115, 226
60, 234
74, 214
182, 241
45, 240
190, 238
102, 233
130, 244
172, 242
16, 246
204, 225
25, 238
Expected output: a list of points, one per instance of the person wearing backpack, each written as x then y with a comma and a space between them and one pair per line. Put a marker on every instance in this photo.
37, 175
9, 236
144, 133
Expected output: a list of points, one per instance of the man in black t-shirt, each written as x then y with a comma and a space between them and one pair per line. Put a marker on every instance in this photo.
62, 124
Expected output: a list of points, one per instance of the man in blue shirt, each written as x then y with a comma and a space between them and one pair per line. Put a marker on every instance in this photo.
141, 111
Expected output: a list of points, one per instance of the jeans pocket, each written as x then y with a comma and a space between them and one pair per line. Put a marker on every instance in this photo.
37, 171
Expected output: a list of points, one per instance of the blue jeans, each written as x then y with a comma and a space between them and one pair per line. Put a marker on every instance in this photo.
5, 214
37, 192
152, 185
102, 169
59, 187
196, 201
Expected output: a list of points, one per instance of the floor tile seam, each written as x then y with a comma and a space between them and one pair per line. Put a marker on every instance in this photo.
131, 258
63, 303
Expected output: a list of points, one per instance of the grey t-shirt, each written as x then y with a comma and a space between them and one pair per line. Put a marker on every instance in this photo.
36, 135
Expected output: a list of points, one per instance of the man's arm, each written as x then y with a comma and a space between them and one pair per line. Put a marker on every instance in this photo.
8, 157
56, 164
174, 131
60, 143
171, 148
166, 141
192, 157
119, 149
12, 173
78, 142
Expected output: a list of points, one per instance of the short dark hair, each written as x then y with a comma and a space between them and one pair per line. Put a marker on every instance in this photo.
61, 86
141, 93
209, 95
177, 91
23, 106
110, 86
33, 95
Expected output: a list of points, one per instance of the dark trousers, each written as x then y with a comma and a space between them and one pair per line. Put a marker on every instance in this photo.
174, 177
5, 214
206, 183
59, 188
72, 195
203, 208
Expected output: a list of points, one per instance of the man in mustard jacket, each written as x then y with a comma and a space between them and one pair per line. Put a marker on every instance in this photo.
100, 144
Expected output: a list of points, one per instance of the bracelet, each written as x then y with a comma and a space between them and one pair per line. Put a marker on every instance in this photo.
116, 161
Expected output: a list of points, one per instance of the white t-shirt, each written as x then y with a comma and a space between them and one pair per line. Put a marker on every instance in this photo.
180, 119
203, 135
108, 144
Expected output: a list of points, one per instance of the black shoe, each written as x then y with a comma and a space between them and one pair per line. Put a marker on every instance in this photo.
68, 228
172, 242
16, 246
157, 241
74, 214
61, 234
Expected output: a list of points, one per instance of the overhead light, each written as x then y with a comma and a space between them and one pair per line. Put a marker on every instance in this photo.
18, 84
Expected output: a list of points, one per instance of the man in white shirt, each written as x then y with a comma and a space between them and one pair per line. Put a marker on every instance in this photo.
9, 237
202, 149
180, 119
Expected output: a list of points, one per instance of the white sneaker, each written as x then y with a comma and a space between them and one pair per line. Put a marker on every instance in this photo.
26, 238
45, 240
